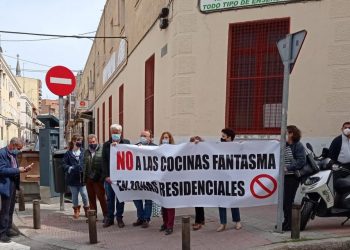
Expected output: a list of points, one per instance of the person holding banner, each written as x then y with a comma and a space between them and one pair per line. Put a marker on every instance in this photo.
199, 211
144, 212
295, 159
73, 163
168, 213
93, 175
228, 135
112, 202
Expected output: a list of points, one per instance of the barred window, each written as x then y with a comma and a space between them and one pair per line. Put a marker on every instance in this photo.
255, 76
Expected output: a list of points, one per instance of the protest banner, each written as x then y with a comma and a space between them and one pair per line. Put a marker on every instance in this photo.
207, 174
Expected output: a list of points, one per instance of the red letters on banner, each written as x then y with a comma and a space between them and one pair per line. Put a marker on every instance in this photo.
125, 160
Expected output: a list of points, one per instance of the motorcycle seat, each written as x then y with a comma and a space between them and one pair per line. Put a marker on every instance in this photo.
342, 185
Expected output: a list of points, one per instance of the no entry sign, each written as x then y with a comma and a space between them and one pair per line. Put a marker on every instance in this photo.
60, 80
263, 186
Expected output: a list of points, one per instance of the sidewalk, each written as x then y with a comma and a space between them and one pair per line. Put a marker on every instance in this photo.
58, 228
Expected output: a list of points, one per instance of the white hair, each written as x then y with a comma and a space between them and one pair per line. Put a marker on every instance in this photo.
116, 127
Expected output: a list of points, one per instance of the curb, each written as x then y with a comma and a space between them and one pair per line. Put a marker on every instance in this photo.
322, 244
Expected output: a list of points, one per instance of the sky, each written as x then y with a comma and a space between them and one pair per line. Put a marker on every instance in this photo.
63, 17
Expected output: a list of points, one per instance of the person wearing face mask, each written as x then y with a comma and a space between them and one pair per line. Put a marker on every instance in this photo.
339, 151
9, 183
73, 164
112, 201
93, 175
295, 159
144, 211
228, 135
168, 213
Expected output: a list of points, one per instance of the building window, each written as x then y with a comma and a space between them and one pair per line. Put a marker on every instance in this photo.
149, 94
255, 76
98, 124
103, 121
121, 105
110, 114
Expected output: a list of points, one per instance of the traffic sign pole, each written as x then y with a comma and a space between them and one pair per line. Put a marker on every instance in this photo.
289, 49
286, 63
61, 134
61, 81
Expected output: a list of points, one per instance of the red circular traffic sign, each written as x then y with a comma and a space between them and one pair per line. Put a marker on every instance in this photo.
259, 189
60, 80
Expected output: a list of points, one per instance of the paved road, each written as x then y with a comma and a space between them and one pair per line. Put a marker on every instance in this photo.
61, 230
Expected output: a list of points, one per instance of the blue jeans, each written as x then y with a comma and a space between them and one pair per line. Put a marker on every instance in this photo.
143, 212
75, 190
223, 215
113, 203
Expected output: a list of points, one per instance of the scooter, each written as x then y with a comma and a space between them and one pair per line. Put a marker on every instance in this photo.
326, 193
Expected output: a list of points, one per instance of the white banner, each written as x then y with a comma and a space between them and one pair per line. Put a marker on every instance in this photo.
207, 174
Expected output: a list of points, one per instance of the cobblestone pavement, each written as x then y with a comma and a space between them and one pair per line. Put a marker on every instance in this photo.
59, 229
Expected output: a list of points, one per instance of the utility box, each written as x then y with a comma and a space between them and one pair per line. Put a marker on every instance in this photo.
58, 172
48, 144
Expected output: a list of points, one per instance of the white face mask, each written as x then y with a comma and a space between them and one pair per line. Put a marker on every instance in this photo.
346, 131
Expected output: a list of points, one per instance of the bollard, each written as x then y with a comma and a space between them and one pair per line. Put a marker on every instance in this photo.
295, 230
36, 214
186, 233
21, 204
92, 226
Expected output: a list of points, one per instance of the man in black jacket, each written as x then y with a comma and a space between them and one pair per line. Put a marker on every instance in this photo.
144, 211
112, 202
339, 151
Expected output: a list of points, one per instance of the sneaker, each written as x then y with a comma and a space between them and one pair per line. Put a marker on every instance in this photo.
12, 233
137, 223
120, 222
108, 223
5, 239
162, 228
168, 231
145, 224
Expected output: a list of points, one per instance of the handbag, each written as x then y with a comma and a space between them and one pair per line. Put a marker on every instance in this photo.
310, 167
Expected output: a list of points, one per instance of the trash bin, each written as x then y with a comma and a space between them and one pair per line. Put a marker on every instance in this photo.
58, 172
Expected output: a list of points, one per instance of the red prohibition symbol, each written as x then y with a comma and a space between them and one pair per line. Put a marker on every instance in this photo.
260, 190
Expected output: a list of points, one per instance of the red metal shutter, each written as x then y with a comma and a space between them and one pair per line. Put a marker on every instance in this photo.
121, 105
98, 124
255, 76
109, 114
103, 121
149, 94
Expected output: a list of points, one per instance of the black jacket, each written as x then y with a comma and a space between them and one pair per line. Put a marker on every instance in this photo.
299, 156
74, 177
334, 149
106, 156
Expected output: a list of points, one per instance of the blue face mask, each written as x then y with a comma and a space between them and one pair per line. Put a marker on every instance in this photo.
116, 137
14, 151
165, 141
143, 140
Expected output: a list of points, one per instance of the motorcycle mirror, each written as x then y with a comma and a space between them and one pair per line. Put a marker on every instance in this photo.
308, 145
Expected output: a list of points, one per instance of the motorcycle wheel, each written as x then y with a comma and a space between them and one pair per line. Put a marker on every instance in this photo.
306, 211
